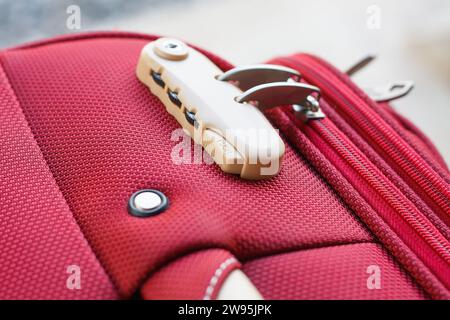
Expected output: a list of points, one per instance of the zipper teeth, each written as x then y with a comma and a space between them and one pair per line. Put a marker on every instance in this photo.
389, 141
383, 187
404, 209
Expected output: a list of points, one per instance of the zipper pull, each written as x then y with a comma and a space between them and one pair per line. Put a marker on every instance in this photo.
267, 86
247, 77
304, 98
390, 92
382, 93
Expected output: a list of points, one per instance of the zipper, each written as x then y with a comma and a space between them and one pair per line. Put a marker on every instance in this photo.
425, 181
409, 223
416, 171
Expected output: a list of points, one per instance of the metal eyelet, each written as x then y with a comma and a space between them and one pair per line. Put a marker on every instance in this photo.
147, 202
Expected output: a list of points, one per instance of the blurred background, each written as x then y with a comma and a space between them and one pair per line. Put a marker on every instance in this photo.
410, 38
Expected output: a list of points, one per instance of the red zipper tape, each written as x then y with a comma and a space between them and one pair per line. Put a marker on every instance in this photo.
425, 181
412, 226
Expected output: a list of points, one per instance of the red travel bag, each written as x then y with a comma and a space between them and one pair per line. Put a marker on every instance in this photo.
360, 208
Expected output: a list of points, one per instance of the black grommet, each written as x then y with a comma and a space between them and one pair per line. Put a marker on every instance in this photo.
147, 202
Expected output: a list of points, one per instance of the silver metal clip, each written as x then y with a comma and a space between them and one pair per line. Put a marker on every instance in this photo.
247, 77
300, 95
384, 93
391, 91
268, 86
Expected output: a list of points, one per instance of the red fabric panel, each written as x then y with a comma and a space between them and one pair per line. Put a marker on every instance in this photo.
378, 112
381, 229
197, 276
105, 136
417, 137
338, 272
355, 173
381, 164
39, 237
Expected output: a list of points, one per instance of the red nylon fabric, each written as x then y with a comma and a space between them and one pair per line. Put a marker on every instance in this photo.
415, 136
440, 267
427, 178
352, 168
293, 129
191, 277
349, 86
381, 164
39, 238
104, 136
338, 272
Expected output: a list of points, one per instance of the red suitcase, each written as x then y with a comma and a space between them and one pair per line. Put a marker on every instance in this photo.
359, 210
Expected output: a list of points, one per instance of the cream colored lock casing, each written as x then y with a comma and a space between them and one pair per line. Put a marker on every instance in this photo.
238, 136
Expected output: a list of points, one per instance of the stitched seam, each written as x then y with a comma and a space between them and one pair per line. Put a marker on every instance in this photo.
312, 247
114, 35
83, 36
371, 229
366, 99
105, 270
210, 290
216, 276
189, 251
394, 247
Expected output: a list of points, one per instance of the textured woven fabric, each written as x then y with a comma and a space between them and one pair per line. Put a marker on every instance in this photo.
416, 137
197, 276
376, 224
39, 238
386, 118
415, 258
339, 272
384, 167
105, 136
